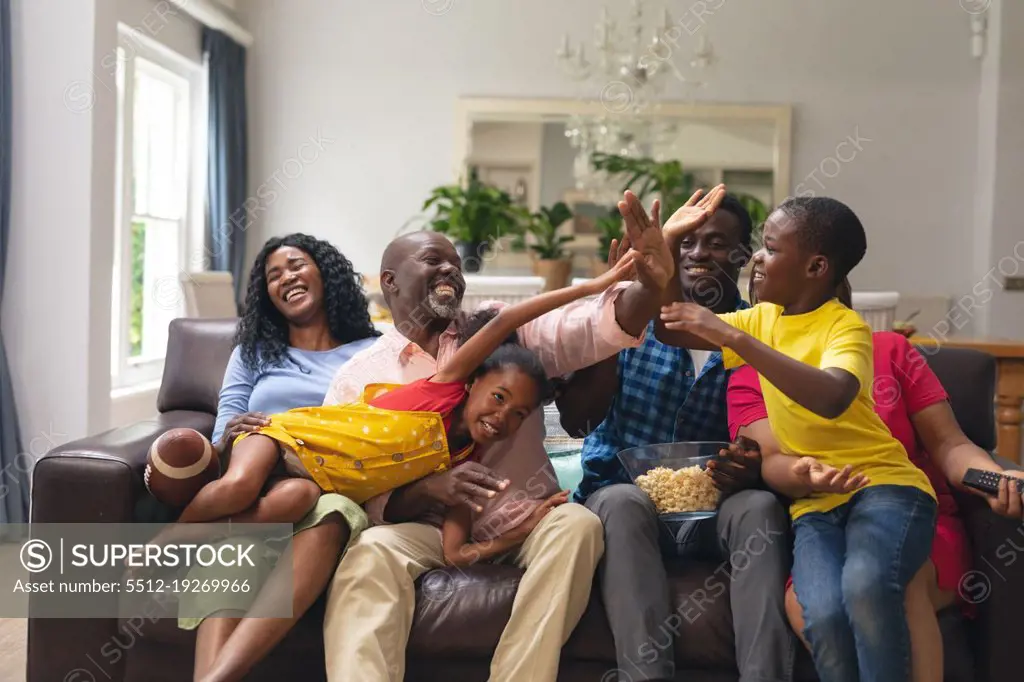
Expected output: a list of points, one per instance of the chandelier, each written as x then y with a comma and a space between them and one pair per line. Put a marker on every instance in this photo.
632, 63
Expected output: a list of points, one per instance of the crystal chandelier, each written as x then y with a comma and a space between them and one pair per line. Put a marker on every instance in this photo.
632, 63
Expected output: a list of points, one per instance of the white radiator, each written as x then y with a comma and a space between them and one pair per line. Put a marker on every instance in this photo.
878, 308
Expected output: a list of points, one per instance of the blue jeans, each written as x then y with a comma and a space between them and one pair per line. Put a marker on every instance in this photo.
851, 566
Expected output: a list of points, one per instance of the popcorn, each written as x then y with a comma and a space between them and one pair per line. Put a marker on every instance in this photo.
679, 490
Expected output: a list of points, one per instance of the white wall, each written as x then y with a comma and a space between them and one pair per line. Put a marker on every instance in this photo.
164, 23
56, 307
381, 79
56, 298
999, 226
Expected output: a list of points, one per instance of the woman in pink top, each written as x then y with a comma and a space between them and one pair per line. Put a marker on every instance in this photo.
914, 405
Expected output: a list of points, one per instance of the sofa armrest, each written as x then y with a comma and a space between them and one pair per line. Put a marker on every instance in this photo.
94, 480
996, 585
99, 479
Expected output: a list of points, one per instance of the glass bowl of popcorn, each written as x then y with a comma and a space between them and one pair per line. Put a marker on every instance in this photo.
675, 477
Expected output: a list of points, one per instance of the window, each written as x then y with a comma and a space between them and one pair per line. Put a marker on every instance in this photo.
159, 220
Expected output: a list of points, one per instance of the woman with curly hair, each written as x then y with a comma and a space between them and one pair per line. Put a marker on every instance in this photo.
305, 315
305, 311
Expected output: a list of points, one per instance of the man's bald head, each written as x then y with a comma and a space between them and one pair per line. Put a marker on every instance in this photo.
422, 270
403, 247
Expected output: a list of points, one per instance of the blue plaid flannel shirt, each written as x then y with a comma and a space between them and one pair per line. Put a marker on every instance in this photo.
659, 401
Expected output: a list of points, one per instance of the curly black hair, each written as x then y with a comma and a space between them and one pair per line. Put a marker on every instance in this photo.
263, 331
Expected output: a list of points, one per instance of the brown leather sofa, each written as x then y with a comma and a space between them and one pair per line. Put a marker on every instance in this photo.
460, 614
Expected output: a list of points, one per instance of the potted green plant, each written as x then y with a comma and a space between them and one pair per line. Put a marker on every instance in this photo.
474, 216
553, 262
645, 176
668, 180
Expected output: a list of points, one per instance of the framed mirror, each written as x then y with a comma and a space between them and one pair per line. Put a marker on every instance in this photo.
540, 151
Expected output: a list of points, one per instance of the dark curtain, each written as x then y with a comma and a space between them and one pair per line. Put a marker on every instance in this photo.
227, 176
14, 464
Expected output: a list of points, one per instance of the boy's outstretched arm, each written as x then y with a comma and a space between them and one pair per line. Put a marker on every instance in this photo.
825, 392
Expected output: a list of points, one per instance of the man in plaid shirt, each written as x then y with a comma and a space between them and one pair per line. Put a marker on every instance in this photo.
662, 394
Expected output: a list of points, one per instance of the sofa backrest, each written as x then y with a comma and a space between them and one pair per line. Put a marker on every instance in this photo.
197, 355
198, 352
969, 377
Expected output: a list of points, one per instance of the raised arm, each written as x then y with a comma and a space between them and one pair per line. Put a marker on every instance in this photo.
655, 265
827, 391
689, 217
472, 353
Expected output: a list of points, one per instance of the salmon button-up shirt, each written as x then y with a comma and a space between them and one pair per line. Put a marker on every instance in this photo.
568, 339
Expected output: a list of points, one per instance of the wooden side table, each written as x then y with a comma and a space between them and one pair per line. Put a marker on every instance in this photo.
1009, 356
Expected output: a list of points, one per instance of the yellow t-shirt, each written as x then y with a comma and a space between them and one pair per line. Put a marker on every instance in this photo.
831, 336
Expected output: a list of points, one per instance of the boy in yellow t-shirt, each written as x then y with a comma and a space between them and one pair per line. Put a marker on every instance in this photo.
863, 514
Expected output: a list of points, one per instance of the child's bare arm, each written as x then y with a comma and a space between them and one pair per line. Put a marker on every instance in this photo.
797, 477
825, 392
458, 548
472, 353
455, 534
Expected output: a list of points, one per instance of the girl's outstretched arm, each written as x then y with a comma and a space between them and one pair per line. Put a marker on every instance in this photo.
472, 353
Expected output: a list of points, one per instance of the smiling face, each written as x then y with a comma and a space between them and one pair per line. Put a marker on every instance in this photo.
424, 271
498, 403
783, 268
294, 284
710, 259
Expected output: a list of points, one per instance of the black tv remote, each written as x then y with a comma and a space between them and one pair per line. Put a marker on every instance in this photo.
988, 481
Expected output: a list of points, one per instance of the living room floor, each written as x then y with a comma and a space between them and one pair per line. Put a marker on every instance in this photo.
13, 633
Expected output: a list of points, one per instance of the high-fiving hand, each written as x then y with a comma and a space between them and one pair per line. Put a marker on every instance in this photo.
695, 212
655, 263
624, 268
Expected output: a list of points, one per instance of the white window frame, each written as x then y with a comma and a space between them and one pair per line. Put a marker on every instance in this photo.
129, 372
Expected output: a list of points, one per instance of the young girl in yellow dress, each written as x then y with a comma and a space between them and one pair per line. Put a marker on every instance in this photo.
397, 434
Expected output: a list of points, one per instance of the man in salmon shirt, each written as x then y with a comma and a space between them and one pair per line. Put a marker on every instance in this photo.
371, 598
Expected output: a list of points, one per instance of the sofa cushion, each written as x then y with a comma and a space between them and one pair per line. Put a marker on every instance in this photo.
967, 374
462, 612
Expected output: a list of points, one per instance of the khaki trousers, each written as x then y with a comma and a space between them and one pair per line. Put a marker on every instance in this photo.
371, 599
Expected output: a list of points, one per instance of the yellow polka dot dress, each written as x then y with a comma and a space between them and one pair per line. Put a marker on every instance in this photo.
382, 442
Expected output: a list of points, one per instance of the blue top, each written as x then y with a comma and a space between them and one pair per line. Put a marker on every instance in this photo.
301, 380
689, 408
